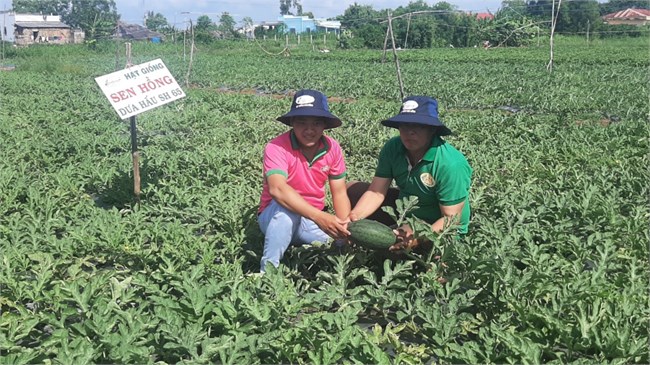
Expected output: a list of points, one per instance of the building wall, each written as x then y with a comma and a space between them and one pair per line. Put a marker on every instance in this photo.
298, 24
27, 36
7, 21
627, 21
34, 35
78, 36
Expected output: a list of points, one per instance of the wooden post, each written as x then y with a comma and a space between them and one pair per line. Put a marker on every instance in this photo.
408, 25
399, 73
189, 66
136, 160
135, 155
554, 15
184, 43
383, 57
588, 24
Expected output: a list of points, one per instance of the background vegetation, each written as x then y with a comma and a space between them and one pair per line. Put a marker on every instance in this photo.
554, 269
416, 25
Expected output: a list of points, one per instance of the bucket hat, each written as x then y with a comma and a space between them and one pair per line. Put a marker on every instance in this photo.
419, 110
310, 103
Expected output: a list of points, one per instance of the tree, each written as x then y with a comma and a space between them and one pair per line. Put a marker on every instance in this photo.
286, 5
584, 15
247, 22
203, 30
227, 25
204, 24
55, 7
97, 18
156, 21
540, 8
356, 16
362, 27
249, 27
514, 9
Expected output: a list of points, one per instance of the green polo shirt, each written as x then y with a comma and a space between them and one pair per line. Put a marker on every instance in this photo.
442, 177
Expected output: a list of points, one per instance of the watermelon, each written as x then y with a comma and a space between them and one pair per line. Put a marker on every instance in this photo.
371, 234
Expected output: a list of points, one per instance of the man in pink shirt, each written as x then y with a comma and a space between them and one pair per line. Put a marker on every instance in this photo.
297, 164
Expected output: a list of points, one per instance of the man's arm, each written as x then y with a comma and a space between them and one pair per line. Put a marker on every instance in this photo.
340, 199
371, 200
289, 198
450, 216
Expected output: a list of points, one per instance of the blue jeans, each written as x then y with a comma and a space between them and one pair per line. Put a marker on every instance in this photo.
281, 228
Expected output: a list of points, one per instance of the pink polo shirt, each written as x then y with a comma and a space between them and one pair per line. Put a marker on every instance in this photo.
282, 156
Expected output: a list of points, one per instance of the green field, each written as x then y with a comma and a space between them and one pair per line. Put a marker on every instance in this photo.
554, 270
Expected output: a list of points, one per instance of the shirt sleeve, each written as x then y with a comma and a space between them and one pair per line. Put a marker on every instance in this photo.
275, 160
337, 164
453, 183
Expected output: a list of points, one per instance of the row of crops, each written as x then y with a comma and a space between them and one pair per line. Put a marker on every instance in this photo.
554, 270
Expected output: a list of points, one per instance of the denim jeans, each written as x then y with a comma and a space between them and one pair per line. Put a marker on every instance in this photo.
281, 228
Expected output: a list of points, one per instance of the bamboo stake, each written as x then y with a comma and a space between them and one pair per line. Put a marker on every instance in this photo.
554, 16
383, 57
135, 155
399, 73
408, 26
189, 67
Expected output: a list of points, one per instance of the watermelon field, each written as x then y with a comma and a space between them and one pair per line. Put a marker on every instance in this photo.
554, 268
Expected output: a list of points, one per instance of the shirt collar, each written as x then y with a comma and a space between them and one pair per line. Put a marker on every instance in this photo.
295, 145
430, 155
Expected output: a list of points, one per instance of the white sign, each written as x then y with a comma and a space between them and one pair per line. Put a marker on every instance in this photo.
139, 88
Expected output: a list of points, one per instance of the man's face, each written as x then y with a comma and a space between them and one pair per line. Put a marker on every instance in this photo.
416, 137
308, 130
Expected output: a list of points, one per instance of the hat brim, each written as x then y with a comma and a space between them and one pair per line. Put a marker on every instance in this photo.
331, 120
401, 118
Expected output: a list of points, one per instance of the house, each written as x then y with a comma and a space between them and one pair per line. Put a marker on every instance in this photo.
628, 17
137, 32
304, 24
482, 16
26, 29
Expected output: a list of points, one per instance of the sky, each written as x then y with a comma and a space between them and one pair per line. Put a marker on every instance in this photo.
180, 11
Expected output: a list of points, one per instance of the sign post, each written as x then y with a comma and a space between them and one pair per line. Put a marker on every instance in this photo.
134, 90
136, 159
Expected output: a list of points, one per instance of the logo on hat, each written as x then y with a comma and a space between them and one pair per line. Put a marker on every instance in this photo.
409, 106
427, 180
305, 100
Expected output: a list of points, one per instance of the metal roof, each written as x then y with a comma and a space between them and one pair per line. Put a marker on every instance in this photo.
640, 14
42, 25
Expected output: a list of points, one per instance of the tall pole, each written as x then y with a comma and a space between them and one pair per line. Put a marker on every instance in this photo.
408, 25
554, 16
135, 155
399, 73
136, 159
383, 57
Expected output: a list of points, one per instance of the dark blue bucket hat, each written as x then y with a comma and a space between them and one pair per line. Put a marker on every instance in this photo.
419, 110
310, 103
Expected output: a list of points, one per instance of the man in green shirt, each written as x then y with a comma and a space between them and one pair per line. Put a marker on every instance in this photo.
423, 165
